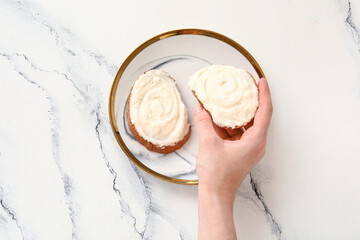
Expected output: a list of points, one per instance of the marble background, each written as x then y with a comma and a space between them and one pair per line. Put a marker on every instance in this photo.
63, 175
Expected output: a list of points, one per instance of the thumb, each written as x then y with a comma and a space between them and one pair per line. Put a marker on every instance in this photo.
204, 125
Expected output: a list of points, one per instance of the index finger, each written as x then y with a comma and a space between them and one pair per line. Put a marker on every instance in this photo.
264, 112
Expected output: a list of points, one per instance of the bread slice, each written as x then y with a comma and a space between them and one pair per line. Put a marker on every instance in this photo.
253, 100
148, 143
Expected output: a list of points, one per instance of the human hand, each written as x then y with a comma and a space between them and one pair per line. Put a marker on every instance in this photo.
225, 157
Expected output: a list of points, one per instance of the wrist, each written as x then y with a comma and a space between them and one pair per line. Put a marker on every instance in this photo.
216, 213
223, 187
222, 194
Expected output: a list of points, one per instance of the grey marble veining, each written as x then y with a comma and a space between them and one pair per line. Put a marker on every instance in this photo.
351, 24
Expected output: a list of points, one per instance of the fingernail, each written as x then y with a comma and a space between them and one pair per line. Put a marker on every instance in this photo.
198, 108
266, 81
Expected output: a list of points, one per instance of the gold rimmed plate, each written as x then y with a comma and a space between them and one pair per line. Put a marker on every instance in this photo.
180, 53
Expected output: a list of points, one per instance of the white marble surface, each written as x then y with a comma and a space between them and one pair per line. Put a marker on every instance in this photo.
63, 175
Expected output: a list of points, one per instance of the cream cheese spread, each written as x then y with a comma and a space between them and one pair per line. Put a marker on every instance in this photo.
157, 109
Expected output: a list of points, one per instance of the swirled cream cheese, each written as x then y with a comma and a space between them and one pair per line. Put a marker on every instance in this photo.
228, 93
157, 109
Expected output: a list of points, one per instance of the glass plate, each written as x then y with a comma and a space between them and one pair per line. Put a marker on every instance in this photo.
180, 53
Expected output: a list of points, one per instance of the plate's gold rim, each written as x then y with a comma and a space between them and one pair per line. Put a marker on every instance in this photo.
191, 31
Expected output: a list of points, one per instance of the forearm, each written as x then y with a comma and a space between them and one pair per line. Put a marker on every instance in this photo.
216, 214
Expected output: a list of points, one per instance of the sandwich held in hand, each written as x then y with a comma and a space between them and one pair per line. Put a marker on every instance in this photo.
229, 94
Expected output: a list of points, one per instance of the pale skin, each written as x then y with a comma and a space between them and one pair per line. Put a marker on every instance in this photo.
225, 158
